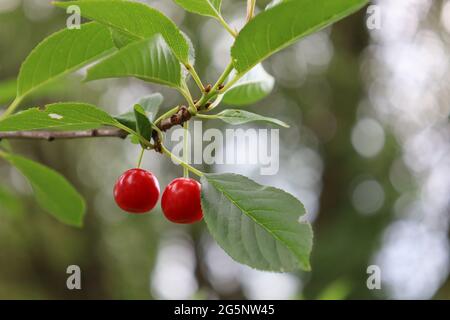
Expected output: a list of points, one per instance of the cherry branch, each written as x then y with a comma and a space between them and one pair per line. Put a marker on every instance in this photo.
55, 135
180, 117
174, 117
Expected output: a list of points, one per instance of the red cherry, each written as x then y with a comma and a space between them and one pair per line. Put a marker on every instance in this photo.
181, 201
136, 191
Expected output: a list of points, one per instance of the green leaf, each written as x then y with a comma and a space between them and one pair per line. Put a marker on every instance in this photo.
143, 124
62, 53
134, 19
191, 58
339, 289
52, 191
236, 117
149, 60
285, 23
252, 87
134, 139
150, 104
5, 145
8, 90
52, 89
10, 202
58, 116
209, 8
256, 225
122, 39
273, 3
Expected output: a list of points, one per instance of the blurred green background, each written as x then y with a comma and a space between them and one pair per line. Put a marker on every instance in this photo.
368, 153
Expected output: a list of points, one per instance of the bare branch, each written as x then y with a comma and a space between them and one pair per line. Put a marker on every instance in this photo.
54, 135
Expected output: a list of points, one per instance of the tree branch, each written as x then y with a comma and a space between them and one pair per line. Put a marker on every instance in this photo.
181, 116
178, 118
54, 135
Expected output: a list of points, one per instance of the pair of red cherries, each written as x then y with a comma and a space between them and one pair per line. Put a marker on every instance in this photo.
137, 191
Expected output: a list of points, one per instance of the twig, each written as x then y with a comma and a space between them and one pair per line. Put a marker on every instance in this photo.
54, 135
13, 106
250, 9
178, 118
227, 26
195, 76
214, 90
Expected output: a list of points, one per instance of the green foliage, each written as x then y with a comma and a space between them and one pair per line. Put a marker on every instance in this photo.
273, 3
256, 225
150, 105
144, 126
254, 86
8, 91
204, 7
149, 59
236, 117
134, 19
337, 290
191, 57
58, 116
10, 202
283, 24
5, 145
52, 191
62, 53
121, 39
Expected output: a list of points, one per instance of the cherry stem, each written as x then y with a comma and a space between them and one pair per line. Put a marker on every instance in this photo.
186, 150
141, 155
181, 162
144, 141
196, 77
